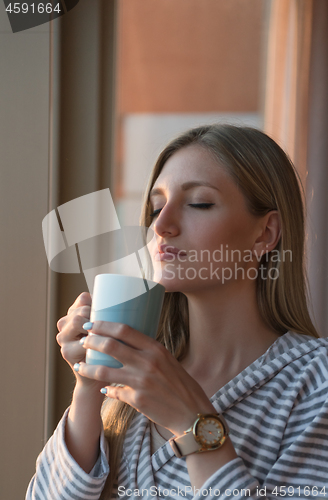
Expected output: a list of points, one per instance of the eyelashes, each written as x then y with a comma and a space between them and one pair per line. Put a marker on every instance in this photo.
156, 212
194, 205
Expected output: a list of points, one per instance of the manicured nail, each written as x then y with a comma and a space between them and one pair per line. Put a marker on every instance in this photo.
87, 326
103, 390
76, 367
82, 340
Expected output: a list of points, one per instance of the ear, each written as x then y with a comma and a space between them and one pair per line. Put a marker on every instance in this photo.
270, 233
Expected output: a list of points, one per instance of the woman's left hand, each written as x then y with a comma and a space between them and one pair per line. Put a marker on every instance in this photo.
154, 382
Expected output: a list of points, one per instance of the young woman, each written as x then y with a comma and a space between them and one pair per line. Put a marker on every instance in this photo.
236, 351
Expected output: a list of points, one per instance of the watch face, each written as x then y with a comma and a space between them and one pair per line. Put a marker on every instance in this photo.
209, 431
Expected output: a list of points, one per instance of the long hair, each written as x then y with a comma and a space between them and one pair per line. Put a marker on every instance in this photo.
267, 178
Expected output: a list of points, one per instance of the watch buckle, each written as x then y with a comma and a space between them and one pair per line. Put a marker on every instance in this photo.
175, 448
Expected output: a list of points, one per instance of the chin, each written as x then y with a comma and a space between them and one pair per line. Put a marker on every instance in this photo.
169, 286
178, 286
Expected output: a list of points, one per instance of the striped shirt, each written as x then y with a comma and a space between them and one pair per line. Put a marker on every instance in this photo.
277, 412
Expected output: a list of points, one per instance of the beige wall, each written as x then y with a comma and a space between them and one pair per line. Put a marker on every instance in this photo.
181, 56
24, 197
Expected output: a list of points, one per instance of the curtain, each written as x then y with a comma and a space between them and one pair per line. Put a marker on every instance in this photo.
317, 178
295, 115
287, 77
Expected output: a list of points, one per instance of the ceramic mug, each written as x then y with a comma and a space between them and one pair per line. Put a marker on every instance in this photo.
134, 301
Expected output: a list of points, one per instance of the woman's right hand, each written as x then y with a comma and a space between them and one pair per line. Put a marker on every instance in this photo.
71, 330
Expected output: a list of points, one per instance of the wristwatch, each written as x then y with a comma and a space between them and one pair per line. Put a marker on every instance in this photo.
208, 432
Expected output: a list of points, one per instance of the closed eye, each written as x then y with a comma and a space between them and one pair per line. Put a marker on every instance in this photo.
194, 205
201, 205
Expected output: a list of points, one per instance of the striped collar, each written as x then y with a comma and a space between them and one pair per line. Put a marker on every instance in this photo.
282, 352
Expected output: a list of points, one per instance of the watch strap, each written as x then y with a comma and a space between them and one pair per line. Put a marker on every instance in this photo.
185, 444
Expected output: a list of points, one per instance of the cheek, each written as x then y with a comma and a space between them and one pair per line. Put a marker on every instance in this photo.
215, 234
234, 231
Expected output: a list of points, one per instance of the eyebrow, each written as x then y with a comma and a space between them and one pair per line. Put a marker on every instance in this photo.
185, 186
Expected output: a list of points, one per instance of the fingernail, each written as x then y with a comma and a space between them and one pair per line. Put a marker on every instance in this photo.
82, 340
103, 390
87, 326
76, 367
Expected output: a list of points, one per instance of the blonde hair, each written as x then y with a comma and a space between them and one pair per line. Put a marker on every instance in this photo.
269, 181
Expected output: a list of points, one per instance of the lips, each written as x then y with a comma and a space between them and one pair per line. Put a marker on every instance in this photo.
170, 249
169, 253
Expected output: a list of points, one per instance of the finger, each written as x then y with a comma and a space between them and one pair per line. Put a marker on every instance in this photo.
102, 373
125, 354
73, 329
84, 299
73, 352
83, 311
62, 322
127, 394
119, 392
124, 333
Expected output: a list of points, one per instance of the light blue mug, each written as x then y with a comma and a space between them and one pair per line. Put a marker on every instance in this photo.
136, 302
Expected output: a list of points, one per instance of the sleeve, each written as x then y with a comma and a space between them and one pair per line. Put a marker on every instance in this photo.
59, 477
300, 472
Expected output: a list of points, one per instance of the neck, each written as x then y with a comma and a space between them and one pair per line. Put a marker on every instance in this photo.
226, 332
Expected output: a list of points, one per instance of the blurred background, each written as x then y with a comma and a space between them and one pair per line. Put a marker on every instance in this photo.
87, 102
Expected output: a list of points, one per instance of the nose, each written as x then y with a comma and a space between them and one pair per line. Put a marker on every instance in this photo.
166, 222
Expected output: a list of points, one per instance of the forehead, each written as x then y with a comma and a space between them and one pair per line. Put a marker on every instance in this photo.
190, 163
